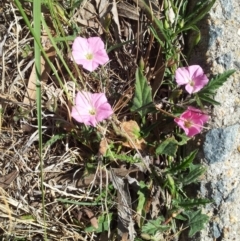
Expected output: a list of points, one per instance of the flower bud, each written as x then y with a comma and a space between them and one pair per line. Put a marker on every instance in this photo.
166, 24
141, 64
181, 24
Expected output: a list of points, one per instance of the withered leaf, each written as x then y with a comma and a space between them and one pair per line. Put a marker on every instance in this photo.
6, 180
131, 130
103, 147
92, 217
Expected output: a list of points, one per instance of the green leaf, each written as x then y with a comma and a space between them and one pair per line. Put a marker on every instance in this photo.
181, 217
79, 203
65, 38
170, 183
190, 203
103, 224
208, 99
143, 94
198, 100
154, 226
143, 192
195, 172
209, 90
55, 138
185, 163
119, 45
27, 217
168, 147
184, 139
197, 15
195, 38
218, 81
206, 91
196, 221
154, 32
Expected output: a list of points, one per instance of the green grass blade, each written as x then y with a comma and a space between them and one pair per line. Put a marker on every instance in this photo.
198, 17
37, 56
17, 2
58, 52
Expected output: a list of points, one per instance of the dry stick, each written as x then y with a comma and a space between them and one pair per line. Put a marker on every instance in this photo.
17, 42
2, 54
67, 194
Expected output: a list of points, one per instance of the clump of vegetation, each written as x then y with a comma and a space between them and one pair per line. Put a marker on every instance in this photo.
97, 109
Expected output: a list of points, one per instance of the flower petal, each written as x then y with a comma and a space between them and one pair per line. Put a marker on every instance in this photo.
198, 116
84, 99
104, 112
104, 109
194, 71
200, 119
182, 76
97, 47
200, 82
180, 122
198, 77
101, 57
195, 117
79, 114
85, 102
92, 121
80, 45
98, 99
79, 49
190, 89
95, 44
192, 131
90, 65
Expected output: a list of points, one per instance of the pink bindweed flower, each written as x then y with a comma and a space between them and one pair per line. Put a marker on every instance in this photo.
192, 77
192, 121
91, 108
90, 53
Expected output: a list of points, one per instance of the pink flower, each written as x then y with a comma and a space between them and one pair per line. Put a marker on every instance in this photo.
89, 52
192, 77
91, 108
192, 121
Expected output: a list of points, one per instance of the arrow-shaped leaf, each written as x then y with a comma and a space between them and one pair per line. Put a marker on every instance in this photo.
143, 94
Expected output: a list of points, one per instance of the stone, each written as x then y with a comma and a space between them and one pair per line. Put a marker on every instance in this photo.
219, 143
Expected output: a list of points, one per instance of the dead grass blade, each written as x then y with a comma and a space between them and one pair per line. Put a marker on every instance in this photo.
127, 10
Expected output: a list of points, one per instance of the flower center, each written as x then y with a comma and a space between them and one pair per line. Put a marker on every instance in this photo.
188, 123
191, 82
92, 112
89, 56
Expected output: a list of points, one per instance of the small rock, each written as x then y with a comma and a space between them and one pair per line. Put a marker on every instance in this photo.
220, 143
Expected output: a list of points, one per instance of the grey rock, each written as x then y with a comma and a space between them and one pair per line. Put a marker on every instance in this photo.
237, 64
214, 33
216, 231
227, 6
219, 143
225, 60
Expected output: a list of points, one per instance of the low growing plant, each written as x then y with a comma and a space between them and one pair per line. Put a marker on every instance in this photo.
126, 112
